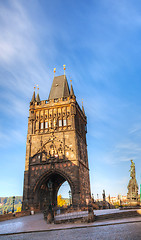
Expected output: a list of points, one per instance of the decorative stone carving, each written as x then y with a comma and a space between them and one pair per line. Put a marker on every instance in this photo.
132, 194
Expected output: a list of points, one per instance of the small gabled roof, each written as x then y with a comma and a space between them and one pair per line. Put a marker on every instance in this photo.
59, 88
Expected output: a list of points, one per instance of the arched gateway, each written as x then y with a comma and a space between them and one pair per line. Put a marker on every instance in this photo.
56, 149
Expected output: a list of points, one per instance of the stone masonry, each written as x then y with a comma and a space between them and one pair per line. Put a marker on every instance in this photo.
56, 149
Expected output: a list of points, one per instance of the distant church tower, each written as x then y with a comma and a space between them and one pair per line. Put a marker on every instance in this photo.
56, 148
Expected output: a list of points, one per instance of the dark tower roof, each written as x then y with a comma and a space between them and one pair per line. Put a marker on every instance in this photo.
33, 97
59, 88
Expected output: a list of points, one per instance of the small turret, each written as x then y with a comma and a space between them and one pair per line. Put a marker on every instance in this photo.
38, 97
33, 97
71, 90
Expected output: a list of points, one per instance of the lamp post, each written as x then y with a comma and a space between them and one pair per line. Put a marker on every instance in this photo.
97, 198
70, 196
13, 204
92, 197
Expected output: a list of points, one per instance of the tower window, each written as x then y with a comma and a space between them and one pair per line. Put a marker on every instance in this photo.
60, 123
46, 124
64, 122
42, 125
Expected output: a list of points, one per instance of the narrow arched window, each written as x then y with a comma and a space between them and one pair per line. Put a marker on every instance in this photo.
64, 122
41, 125
60, 122
46, 124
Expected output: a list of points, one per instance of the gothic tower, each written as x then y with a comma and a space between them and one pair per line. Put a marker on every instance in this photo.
56, 148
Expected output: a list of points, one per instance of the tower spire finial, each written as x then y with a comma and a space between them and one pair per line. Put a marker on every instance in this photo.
64, 67
54, 71
37, 97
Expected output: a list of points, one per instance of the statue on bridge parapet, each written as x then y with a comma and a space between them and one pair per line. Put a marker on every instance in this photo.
132, 169
132, 194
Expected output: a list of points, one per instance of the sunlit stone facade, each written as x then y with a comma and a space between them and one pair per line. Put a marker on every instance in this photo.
56, 148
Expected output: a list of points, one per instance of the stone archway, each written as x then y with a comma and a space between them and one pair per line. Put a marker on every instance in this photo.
46, 188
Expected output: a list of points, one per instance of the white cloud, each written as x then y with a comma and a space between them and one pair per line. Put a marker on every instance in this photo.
20, 60
17, 34
11, 136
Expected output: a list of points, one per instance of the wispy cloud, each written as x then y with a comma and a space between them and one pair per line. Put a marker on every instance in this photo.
17, 35
10, 137
20, 50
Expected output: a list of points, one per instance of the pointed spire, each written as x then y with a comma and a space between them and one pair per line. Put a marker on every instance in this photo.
71, 91
83, 108
33, 97
38, 97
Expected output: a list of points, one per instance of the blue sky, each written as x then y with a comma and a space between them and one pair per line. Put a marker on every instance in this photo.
100, 43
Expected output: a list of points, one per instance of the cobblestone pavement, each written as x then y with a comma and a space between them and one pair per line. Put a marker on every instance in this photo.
37, 223
35, 227
128, 231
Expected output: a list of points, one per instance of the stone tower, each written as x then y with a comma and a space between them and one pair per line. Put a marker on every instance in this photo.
132, 194
56, 148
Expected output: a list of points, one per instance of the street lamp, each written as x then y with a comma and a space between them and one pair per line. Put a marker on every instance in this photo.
92, 197
70, 196
13, 204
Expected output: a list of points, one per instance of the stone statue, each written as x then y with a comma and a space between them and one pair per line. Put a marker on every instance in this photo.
103, 194
132, 194
132, 170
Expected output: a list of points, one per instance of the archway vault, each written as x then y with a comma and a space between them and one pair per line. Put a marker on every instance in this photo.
46, 188
45, 176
